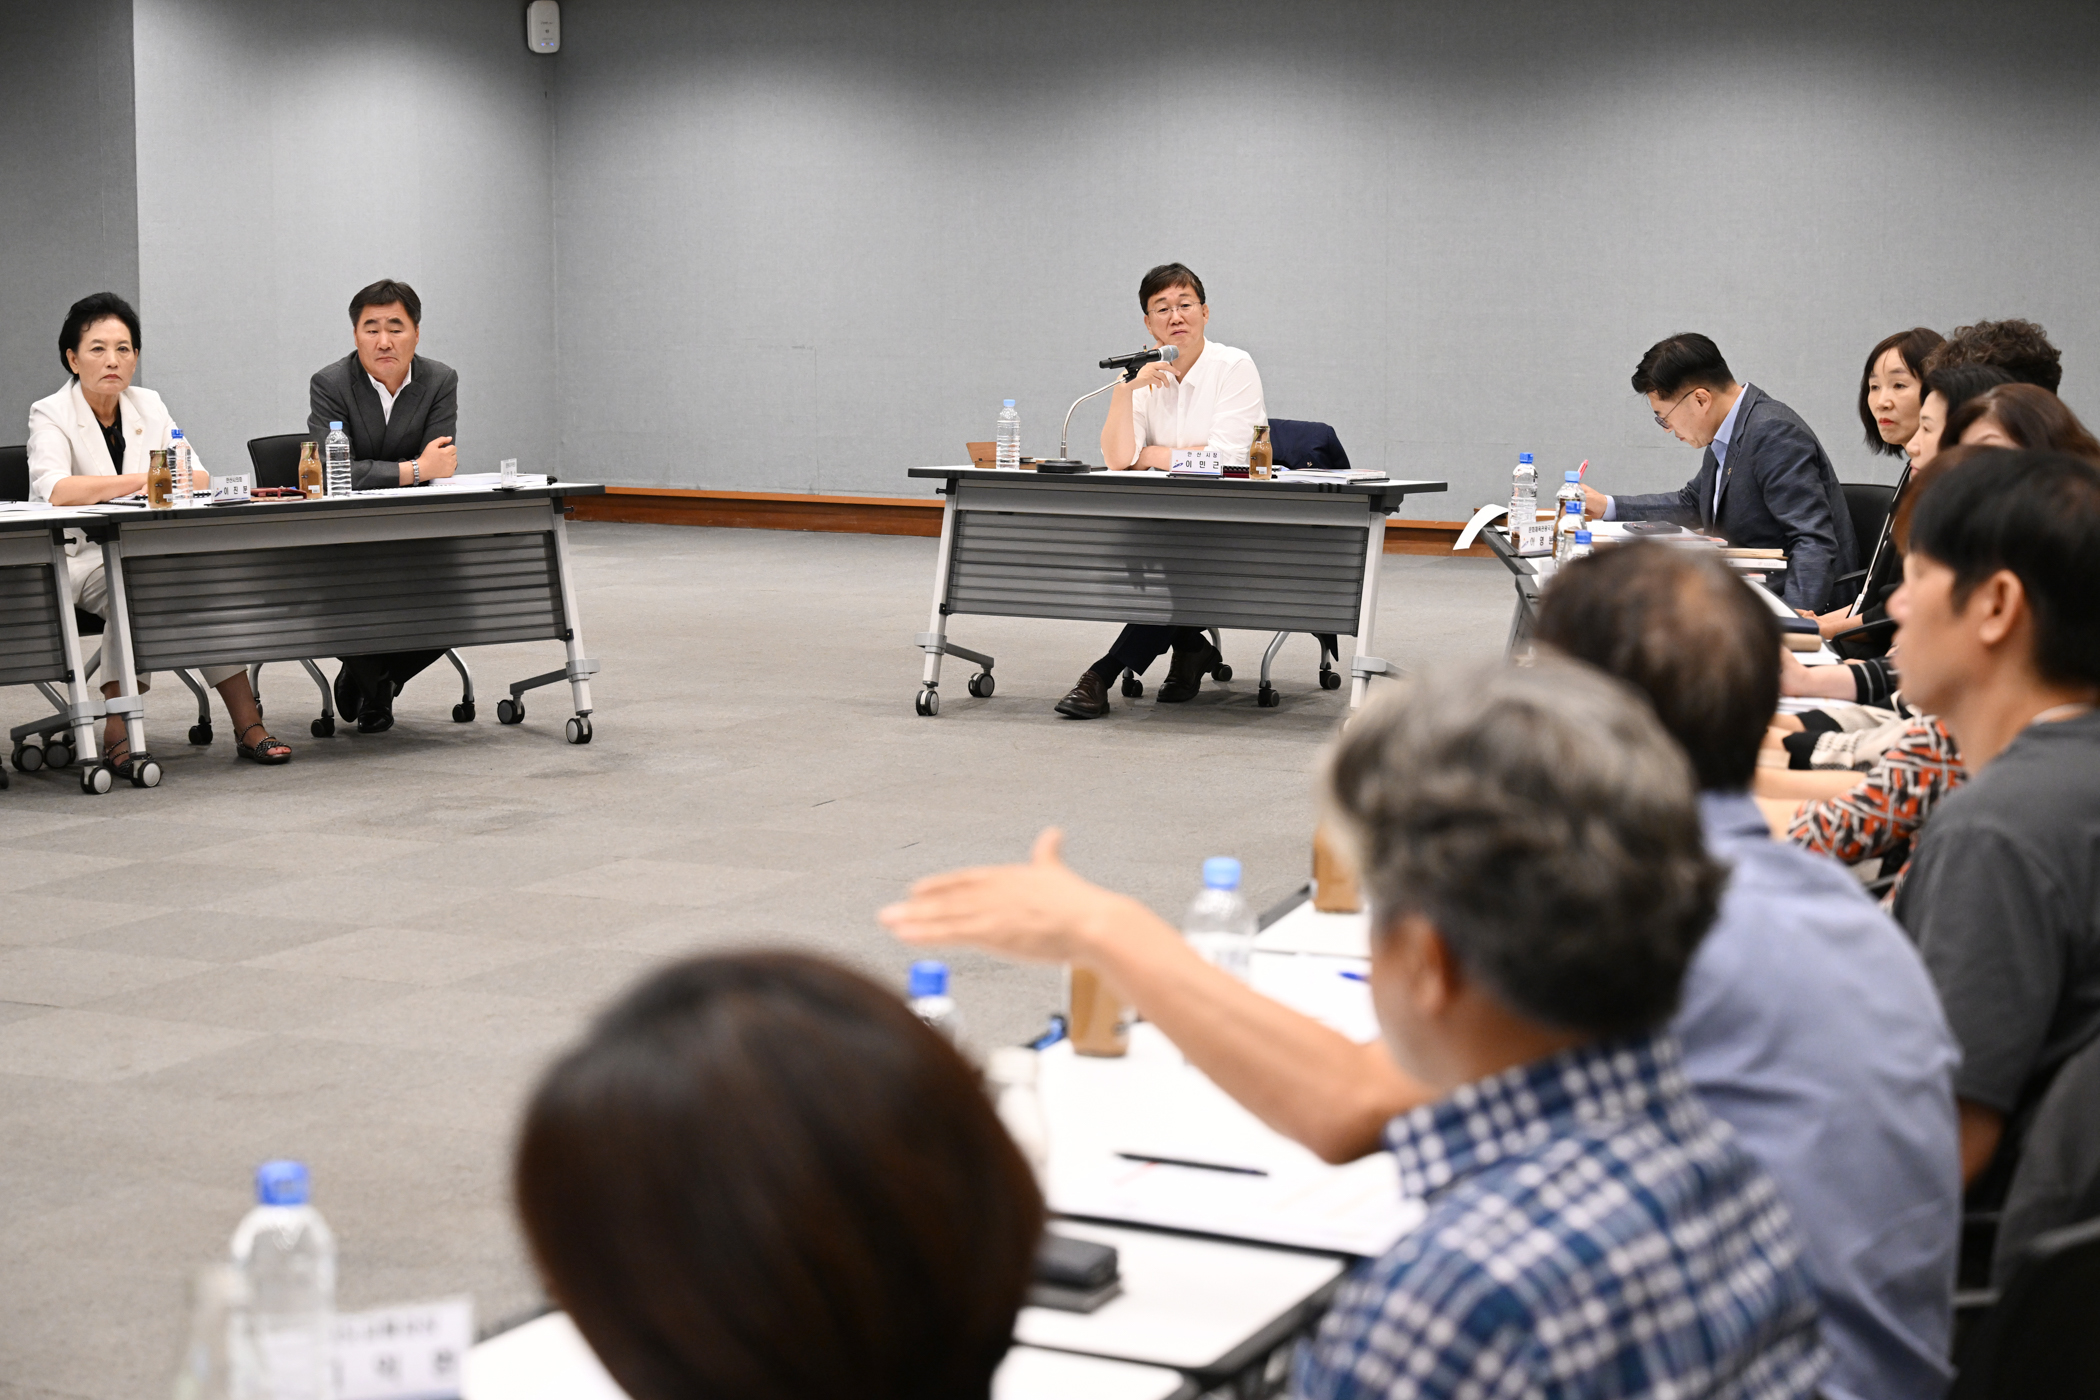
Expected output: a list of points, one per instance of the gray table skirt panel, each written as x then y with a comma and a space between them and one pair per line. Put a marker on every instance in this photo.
233, 606
1208, 573
31, 646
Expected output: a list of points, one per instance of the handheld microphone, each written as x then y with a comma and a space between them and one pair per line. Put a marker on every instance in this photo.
1129, 364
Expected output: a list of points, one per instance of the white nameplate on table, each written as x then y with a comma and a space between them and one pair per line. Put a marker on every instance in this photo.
417, 1351
1196, 461
231, 488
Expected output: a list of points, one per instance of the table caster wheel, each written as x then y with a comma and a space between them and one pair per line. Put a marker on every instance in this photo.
28, 758
1132, 687
1330, 680
96, 780
981, 685
4, 779
578, 729
324, 727
145, 774
463, 712
200, 734
57, 753
1221, 673
929, 703
1268, 698
510, 712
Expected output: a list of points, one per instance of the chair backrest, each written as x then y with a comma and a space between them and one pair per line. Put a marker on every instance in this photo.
14, 473
1300, 443
2042, 1339
2056, 1181
276, 458
1868, 505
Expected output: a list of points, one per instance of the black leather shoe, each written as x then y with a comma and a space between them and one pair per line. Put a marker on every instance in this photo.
1088, 699
349, 695
378, 714
1185, 676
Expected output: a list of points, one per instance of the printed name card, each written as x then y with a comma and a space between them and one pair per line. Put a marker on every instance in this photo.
412, 1352
1197, 461
233, 486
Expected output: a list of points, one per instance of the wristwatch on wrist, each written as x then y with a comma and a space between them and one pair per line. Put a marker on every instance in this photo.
415, 471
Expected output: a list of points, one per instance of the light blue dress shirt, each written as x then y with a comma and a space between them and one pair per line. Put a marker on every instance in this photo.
1723, 435
1809, 1026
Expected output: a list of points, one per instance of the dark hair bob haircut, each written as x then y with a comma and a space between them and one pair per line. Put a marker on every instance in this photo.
85, 313
761, 1176
1167, 275
1913, 346
2031, 417
1684, 361
385, 292
2036, 514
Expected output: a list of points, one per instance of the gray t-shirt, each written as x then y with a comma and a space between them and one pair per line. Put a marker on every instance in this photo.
2004, 901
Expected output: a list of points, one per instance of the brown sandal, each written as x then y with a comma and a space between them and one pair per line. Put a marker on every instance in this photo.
267, 751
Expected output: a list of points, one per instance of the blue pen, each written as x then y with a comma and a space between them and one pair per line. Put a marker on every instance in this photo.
1354, 976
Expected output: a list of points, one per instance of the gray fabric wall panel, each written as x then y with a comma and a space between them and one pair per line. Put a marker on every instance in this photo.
292, 151
806, 245
235, 606
68, 184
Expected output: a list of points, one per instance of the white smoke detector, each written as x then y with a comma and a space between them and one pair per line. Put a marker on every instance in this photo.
543, 26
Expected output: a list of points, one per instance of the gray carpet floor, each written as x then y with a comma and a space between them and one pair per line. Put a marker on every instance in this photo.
362, 959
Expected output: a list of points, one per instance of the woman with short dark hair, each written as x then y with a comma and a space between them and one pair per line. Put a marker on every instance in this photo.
2021, 415
761, 1176
1892, 389
88, 443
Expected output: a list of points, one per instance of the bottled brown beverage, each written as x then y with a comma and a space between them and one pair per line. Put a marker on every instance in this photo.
1098, 1021
1261, 454
310, 470
159, 481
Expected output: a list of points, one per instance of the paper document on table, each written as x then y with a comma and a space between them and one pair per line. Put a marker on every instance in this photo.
1150, 1140
1306, 929
1356, 1209
485, 481
1326, 474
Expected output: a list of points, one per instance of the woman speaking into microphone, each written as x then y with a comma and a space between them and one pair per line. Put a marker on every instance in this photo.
1209, 397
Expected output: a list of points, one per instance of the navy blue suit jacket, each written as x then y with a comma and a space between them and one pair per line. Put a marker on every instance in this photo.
1782, 493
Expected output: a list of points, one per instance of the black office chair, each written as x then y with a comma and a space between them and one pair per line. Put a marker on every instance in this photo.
276, 463
2042, 1338
14, 473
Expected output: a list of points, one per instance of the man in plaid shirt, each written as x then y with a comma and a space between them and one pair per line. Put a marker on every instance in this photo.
1531, 842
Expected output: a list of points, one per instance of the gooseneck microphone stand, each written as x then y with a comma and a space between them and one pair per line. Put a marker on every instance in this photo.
1064, 462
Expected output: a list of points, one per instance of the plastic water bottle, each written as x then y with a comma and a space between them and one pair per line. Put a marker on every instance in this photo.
1009, 437
1219, 925
1584, 546
1565, 527
1570, 490
287, 1253
336, 452
179, 467
1524, 493
219, 1360
930, 1002
1012, 1071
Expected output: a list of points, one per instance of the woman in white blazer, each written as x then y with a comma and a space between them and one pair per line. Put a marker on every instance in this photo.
88, 444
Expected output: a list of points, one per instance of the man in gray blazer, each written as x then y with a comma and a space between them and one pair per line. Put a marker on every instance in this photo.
1765, 482
400, 411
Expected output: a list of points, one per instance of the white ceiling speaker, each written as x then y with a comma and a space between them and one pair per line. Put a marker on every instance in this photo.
543, 26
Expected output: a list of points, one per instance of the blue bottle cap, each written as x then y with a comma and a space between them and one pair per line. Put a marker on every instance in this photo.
928, 979
335, 427
1221, 873
282, 1183
1523, 457
1009, 403
1572, 476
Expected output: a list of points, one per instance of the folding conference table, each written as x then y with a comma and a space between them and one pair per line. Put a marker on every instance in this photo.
1282, 556
39, 640
293, 579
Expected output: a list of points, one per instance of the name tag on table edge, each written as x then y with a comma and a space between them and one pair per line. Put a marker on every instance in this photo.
414, 1351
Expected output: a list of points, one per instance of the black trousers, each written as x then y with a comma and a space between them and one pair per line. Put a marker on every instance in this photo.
380, 675
1141, 644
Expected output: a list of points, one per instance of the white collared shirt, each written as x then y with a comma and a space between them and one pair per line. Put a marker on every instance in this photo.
1218, 405
386, 400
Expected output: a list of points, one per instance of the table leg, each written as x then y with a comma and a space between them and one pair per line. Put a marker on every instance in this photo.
81, 708
1365, 665
145, 772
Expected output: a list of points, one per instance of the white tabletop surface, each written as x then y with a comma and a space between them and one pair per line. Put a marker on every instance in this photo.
1185, 1302
547, 1359
1306, 930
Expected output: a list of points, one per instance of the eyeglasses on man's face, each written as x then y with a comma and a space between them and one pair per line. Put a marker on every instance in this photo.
1662, 419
